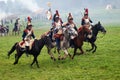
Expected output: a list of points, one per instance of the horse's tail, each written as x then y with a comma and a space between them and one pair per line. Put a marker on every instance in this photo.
12, 49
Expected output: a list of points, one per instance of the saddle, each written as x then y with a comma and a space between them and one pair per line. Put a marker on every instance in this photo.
22, 44
59, 34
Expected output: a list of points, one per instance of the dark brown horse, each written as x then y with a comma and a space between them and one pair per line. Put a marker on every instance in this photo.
35, 50
95, 30
78, 41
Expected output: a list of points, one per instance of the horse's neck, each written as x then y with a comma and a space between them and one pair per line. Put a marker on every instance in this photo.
40, 43
81, 35
95, 31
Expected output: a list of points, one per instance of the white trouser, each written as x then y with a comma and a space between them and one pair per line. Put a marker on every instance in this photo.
27, 43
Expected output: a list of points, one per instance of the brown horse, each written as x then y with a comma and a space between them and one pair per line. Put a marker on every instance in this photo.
78, 41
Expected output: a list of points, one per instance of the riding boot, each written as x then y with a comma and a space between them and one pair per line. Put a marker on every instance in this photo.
72, 43
27, 50
58, 43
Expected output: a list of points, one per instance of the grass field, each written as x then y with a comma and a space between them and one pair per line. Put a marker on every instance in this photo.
102, 65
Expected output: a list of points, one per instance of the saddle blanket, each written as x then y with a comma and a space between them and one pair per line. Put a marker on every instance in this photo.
22, 44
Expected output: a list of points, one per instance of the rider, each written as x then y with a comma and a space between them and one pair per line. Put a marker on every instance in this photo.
27, 36
86, 21
73, 29
70, 22
56, 28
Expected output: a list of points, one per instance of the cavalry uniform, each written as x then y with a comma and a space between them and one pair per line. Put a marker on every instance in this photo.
86, 21
28, 34
70, 25
56, 29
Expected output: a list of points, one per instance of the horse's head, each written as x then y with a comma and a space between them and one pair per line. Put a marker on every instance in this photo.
66, 33
100, 27
46, 40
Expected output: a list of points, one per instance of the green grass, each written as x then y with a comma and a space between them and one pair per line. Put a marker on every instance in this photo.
102, 65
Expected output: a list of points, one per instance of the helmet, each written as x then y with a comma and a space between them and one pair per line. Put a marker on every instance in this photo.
70, 17
57, 13
86, 11
29, 19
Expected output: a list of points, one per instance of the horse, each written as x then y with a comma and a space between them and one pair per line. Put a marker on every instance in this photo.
64, 44
35, 50
4, 30
95, 29
78, 41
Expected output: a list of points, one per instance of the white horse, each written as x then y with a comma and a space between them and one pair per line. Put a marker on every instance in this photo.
64, 43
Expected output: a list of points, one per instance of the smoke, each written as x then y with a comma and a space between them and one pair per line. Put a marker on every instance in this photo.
3, 14
30, 5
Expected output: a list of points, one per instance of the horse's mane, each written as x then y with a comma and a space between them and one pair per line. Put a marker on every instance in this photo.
80, 29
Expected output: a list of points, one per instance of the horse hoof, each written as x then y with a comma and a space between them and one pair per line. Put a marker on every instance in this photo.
54, 59
51, 57
93, 51
70, 55
14, 63
72, 58
59, 58
63, 58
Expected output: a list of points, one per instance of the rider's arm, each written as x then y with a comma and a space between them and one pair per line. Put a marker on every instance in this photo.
75, 28
24, 34
33, 35
90, 20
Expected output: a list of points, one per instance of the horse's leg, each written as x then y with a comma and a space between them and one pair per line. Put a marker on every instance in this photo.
37, 63
55, 50
12, 32
18, 32
66, 54
15, 33
94, 49
50, 53
75, 49
59, 56
33, 61
92, 45
81, 50
17, 56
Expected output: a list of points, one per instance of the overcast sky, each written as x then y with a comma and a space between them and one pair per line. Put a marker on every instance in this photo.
66, 4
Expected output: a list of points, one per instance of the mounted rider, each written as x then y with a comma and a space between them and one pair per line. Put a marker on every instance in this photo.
27, 36
71, 26
57, 28
87, 22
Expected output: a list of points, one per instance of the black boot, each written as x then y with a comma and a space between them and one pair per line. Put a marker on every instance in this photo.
72, 43
27, 50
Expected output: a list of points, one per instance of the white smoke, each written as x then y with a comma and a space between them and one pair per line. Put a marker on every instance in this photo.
30, 5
